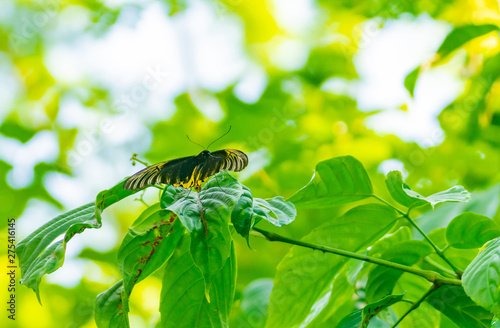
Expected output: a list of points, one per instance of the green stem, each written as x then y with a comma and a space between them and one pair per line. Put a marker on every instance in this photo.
436, 248
438, 251
431, 276
416, 304
445, 271
135, 159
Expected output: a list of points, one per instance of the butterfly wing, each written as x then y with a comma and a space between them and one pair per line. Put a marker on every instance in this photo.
228, 159
189, 171
175, 172
225, 159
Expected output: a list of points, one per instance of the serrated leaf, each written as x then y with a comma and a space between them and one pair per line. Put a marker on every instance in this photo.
303, 274
108, 310
402, 193
457, 306
471, 230
461, 35
148, 245
217, 199
361, 318
337, 181
39, 254
381, 280
481, 279
183, 301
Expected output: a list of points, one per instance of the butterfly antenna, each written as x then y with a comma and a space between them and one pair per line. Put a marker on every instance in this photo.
219, 137
195, 142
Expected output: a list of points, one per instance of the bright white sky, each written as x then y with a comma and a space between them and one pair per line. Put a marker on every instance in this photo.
199, 48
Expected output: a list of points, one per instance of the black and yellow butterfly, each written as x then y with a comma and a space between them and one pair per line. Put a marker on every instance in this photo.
190, 171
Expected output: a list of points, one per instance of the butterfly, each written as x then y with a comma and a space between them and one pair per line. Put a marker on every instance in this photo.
190, 171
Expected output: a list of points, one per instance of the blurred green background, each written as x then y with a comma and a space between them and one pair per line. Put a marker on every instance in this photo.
85, 84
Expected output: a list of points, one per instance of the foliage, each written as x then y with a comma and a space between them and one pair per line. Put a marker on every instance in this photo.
68, 127
199, 265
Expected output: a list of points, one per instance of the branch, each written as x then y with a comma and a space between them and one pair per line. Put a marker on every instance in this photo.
431, 276
416, 304
426, 237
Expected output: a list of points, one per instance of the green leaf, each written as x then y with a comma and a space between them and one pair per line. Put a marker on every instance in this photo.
454, 194
340, 303
402, 193
457, 306
481, 279
337, 181
361, 318
243, 216
461, 35
249, 211
277, 210
217, 200
183, 301
39, 255
471, 230
414, 287
108, 310
303, 275
253, 304
461, 258
148, 244
402, 234
411, 80
381, 280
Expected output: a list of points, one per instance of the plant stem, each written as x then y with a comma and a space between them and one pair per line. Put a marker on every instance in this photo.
438, 251
431, 276
416, 304
436, 248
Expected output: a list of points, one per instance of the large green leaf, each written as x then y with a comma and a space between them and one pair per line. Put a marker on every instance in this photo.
148, 244
471, 230
243, 216
414, 287
340, 303
481, 279
183, 299
215, 203
381, 280
108, 310
461, 35
361, 318
402, 193
457, 306
253, 304
337, 181
249, 211
39, 254
303, 275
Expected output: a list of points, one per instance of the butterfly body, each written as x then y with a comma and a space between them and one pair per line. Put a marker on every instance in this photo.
188, 172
